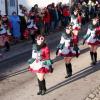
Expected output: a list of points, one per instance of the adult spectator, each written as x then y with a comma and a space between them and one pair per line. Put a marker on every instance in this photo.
15, 21
23, 25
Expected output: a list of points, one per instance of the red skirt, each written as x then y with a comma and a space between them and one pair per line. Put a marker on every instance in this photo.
93, 44
41, 70
70, 55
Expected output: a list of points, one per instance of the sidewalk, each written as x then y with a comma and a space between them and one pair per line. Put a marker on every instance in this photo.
16, 50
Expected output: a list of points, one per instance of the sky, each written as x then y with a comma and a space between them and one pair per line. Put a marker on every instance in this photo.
41, 3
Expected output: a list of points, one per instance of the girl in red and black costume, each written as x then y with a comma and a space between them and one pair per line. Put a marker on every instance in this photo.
67, 48
76, 20
31, 28
92, 38
5, 27
40, 62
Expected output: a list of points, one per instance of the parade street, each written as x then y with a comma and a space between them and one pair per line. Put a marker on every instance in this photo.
50, 50
23, 85
19, 84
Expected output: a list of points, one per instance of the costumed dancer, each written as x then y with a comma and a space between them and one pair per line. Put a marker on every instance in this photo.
67, 49
40, 63
7, 25
76, 25
92, 38
32, 28
76, 20
4, 41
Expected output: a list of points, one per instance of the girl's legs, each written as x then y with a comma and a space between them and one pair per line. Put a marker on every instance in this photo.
68, 66
7, 46
42, 84
93, 54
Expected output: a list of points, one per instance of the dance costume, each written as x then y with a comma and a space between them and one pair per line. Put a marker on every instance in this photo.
40, 62
67, 48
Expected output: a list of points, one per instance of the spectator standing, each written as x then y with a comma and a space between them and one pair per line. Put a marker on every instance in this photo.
23, 25
66, 15
15, 21
46, 21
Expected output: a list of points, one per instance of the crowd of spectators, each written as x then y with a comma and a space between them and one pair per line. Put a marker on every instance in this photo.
26, 24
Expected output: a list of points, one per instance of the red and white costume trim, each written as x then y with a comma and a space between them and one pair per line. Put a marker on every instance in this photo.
92, 39
67, 50
75, 23
3, 36
40, 57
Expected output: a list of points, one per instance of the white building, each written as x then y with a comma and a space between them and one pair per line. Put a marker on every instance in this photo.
2, 6
8, 6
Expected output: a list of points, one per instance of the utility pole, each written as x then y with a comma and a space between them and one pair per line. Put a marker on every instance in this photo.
6, 7
17, 5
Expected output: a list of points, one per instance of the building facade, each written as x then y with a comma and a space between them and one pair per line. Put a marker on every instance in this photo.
8, 6
2, 7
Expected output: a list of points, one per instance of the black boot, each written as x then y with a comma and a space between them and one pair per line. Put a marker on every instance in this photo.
92, 58
68, 70
43, 87
95, 57
40, 87
7, 46
50, 69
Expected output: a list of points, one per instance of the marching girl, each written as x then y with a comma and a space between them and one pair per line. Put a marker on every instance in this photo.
32, 28
4, 41
92, 38
67, 49
76, 20
40, 62
7, 25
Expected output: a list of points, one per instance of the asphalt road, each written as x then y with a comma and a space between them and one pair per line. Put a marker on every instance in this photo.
19, 63
18, 84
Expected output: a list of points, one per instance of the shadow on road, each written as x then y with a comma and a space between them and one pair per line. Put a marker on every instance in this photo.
4, 76
81, 74
52, 46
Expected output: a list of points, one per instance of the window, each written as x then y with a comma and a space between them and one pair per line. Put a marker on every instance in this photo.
12, 3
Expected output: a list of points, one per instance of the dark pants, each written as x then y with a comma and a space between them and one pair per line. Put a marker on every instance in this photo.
7, 46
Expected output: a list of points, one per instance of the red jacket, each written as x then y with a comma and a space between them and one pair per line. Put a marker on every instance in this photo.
46, 18
66, 12
98, 30
79, 19
36, 19
45, 53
